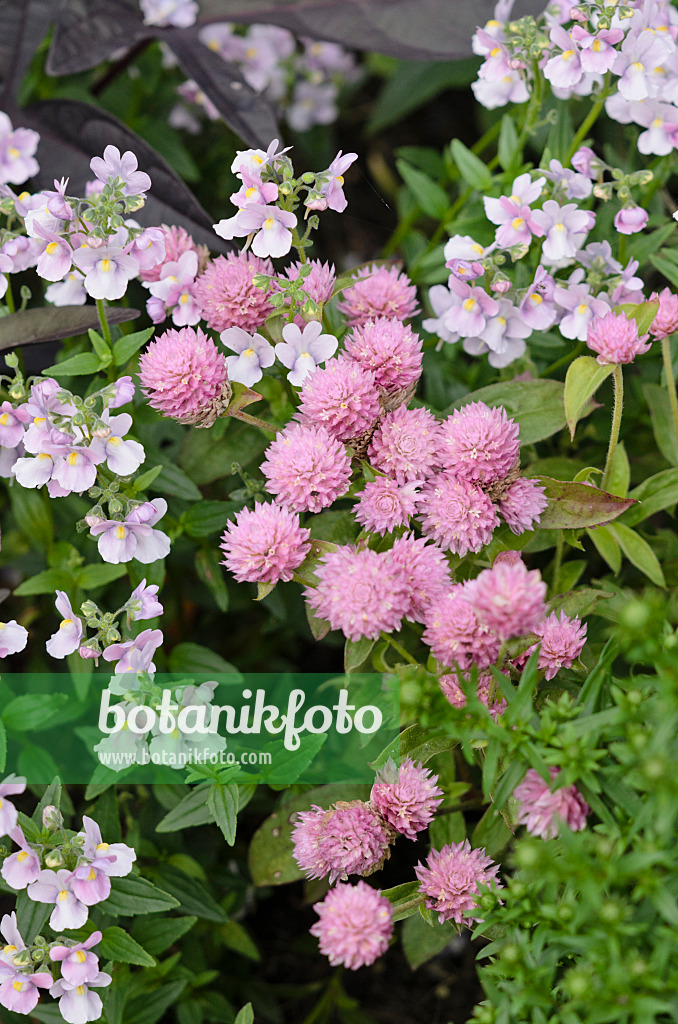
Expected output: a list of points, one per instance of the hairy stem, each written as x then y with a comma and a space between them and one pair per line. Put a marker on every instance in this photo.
399, 648
105, 329
616, 423
670, 383
254, 421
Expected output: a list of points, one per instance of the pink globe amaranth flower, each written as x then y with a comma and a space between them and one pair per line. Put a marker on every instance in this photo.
360, 592
454, 633
265, 545
665, 322
379, 291
342, 397
426, 571
384, 505
615, 338
406, 797
451, 686
522, 504
457, 514
562, 641
542, 810
185, 376
508, 599
405, 444
479, 443
227, 295
451, 877
390, 349
306, 468
350, 838
177, 242
355, 926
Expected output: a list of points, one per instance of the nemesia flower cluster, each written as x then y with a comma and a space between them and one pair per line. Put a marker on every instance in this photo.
69, 872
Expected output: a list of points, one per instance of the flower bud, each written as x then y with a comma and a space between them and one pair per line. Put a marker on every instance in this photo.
52, 817
54, 859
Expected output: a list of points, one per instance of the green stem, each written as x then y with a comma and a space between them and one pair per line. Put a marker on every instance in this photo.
621, 250
296, 242
564, 360
9, 297
254, 421
557, 563
322, 1010
105, 329
399, 648
589, 120
616, 423
670, 382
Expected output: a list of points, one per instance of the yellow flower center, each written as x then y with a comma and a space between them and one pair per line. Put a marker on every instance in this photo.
18, 986
248, 352
44, 455
597, 45
13, 152
213, 45
81, 956
657, 123
340, 179
21, 857
80, 990
638, 66
65, 622
63, 895
268, 223
9, 949
73, 459
4, 419
469, 305
568, 54
477, 248
183, 298
115, 441
582, 307
105, 265
257, 159
39, 420
537, 299
249, 192
495, 52
52, 248
559, 227
102, 847
501, 320
92, 875
517, 222
120, 532
24, 196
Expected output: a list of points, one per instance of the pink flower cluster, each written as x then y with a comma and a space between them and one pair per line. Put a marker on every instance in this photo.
265, 545
543, 809
355, 925
450, 880
185, 376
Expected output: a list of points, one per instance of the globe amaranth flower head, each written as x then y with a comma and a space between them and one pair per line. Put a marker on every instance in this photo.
406, 796
665, 322
306, 468
318, 284
426, 571
450, 880
562, 641
615, 338
405, 444
342, 397
185, 376
384, 505
457, 514
360, 592
355, 926
479, 443
522, 504
265, 545
390, 349
542, 810
451, 685
227, 295
508, 599
378, 291
454, 633
350, 838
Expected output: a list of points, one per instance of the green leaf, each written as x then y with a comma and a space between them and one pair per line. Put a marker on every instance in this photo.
172, 480
188, 657
125, 347
492, 833
665, 267
644, 314
405, 899
135, 895
245, 1016
156, 934
657, 399
36, 764
97, 575
319, 627
422, 941
638, 552
101, 347
33, 515
584, 377
575, 506
356, 652
415, 82
472, 169
76, 366
447, 828
33, 711
653, 495
190, 811
45, 583
535, 405
35, 326
3, 747
152, 1006
607, 546
194, 897
208, 517
222, 802
270, 854
31, 916
234, 936
416, 742
209, 570
141, 483
427, 193
621, 472
117, 945
509, 143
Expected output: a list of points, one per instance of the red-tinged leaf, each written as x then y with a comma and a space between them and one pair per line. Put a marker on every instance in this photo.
575, 506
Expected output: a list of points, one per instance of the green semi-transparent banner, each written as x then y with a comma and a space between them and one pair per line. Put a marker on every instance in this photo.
165, 728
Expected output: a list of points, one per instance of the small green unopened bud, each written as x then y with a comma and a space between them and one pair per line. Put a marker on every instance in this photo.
114, 506
286, 188
308, 178
602, 190
52, 818
79, 420
133, 203
12, 360
261, 280
54, 859
277, 300
643, 177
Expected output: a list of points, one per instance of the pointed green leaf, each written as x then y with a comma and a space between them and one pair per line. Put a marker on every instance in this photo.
117, 945
428, 194
125, 347
657, 399
76, 366
509, 143
471, 167
584, 377
356, 652
222, 802
575, 506
607, 546
620, 474
638, 552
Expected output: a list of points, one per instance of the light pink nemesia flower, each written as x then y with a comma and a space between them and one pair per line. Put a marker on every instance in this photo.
13, 638
390, 349
378, 291
78, 965
56, 887
522, 504
120, 856
23, 867
174, 289
405, 444
67, 638
134, 537
451, 877
333, 189
113, 165
384, 504
355, 926
542, 810
185, 376
306, 468
108, 269
342, 397
135, 655
227, 296
17, 146
265, 545
77, 1005
123, 457
12, 785
254, 355
479, 443
454, 633
350, 838
143, 602
508, 599
457, 514
303, 348
451, 687
406, 797
270, 226
562, 641
664, 324
615, 338
631, 219
18, 990
176, 242
426, 571
359, 592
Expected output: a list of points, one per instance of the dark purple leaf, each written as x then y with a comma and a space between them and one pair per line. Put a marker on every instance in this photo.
34, 326
24, 26
87, 32
71, 133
